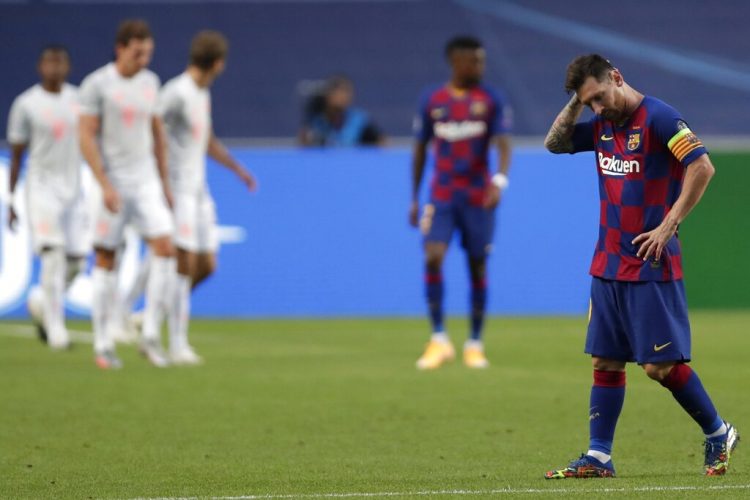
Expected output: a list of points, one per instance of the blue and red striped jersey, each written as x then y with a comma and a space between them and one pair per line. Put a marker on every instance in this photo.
641, 165
461, 124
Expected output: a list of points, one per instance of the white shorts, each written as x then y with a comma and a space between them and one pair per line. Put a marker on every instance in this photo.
55, 221
195, 221
144, 207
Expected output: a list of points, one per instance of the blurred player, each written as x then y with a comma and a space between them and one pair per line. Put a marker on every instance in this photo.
119, 109
44, 120
463, 118
652, 172
185, 106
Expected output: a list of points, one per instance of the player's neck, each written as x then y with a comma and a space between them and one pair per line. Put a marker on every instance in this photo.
201, 78
124, 71
53, 87
633, 100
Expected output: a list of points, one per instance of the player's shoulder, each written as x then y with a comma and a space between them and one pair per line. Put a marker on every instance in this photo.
150, 77
99, 75
70, 89
434, 92
658, 109
493, 93
27, 95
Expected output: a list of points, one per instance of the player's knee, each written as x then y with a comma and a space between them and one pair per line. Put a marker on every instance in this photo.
657, 371
162, 247
105, 259
434, 257
607, 365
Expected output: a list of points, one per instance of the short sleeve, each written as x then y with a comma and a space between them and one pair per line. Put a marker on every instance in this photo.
501, 121
673, 132
423, 126
90, 96
168, 104
583, 136
19, 124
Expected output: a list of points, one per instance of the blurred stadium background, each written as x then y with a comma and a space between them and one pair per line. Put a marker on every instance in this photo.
327, 235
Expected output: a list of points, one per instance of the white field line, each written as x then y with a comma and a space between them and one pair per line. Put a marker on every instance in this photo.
495, 492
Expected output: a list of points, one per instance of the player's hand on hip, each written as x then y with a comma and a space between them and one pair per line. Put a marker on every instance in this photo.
12, 218
414, 214
652, 243
111, 199
492, 197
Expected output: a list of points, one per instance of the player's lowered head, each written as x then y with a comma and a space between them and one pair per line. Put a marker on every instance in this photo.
601, 87
53, 67
466, 57
208, 57
134, 46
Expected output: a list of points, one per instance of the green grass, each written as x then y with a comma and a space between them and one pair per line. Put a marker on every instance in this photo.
336, 406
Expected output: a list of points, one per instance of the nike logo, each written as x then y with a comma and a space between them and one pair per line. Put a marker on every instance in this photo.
658, 348
606, 137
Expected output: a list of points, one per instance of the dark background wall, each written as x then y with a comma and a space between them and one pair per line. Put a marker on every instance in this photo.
692, 54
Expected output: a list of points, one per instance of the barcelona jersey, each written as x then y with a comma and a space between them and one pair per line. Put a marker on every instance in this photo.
641, 165
461, 123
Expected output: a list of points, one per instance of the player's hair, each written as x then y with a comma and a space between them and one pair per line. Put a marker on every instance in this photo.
131, 29
583, 67
55, 48
208, 47
462, 42
336, 82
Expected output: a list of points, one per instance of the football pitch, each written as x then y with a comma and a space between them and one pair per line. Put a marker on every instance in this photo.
336, 409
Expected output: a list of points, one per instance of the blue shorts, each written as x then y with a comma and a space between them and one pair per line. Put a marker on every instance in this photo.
644, 321
475, 223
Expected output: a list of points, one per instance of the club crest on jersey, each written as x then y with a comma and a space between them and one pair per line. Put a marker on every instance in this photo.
438, 113
478, 108
634, 140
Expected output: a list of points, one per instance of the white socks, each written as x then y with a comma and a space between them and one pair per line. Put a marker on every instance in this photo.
602, 457
718, 432
159, 292
104, 293
440, 337
179, 314
52, 282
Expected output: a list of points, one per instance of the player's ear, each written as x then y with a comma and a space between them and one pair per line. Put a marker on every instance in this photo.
617, 77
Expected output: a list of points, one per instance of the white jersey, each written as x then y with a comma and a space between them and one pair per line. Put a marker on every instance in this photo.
48, 123
186, 110
125, 107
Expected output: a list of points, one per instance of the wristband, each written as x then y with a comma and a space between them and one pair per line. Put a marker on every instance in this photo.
501, 181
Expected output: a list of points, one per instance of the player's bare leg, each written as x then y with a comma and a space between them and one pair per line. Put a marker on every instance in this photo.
439, 349
474, 356
180, 350
104, 280
159, 293
205, 266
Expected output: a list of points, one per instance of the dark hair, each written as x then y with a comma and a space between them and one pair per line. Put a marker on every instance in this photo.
55, 48
130, 29
461, 43
208, 47
583, 67
336, 82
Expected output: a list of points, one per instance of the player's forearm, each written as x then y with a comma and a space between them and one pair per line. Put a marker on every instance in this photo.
696, 181
90, 153
560, 136
417, 169
160, 150
15, 165
218, 152
505, 150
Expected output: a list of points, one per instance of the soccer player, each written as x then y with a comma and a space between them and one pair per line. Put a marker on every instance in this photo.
119, 108
185, 106
652, 172
463, 118
44, 120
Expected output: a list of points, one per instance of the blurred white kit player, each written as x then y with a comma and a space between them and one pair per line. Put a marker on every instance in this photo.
44, 120
185, 107
119, 109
